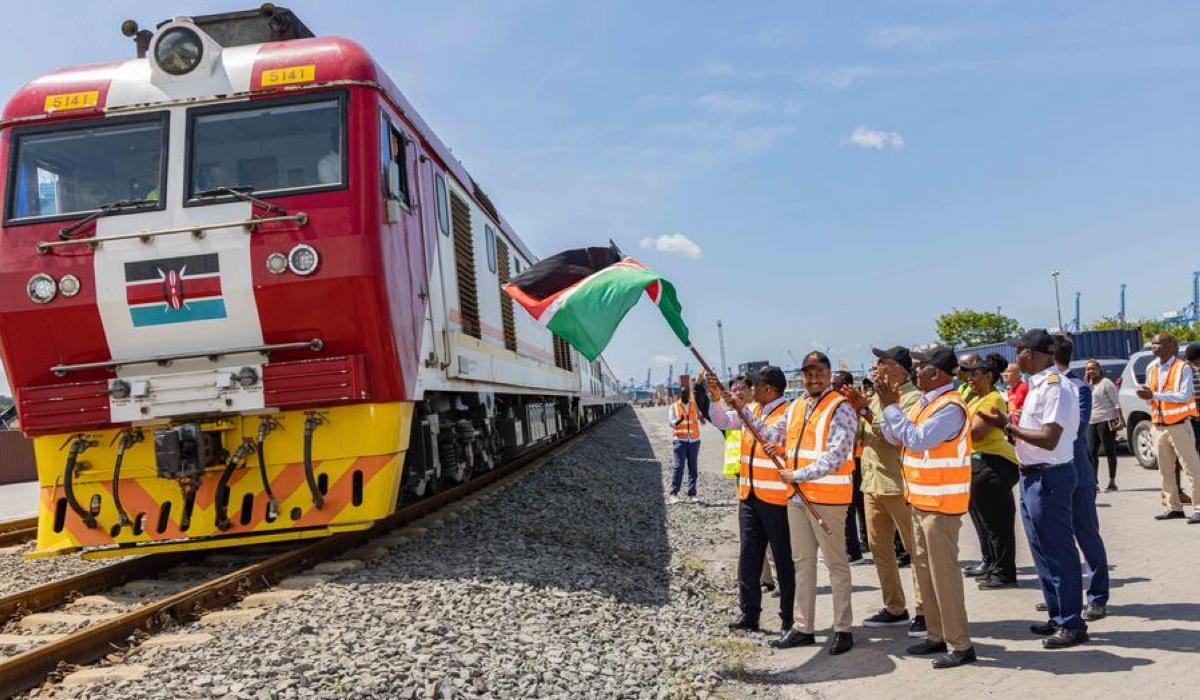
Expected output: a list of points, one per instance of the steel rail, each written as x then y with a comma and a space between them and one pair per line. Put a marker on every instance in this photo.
31, 668
19, 524
18, 531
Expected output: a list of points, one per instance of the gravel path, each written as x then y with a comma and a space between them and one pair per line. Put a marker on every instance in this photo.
18, 574
575, 582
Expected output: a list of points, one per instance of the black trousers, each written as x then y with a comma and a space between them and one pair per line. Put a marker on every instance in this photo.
993, 511
1101, 434
764, 525
856, 518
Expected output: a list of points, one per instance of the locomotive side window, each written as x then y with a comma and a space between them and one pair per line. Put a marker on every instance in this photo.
443, 208
490, 235
285, 146
393, 147
61, 172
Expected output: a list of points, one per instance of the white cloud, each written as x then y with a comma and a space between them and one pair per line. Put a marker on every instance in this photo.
837, 77
673, 243
910, 36
725, 103
862, 137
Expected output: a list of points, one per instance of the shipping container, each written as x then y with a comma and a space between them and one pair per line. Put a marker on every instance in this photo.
1117, 343
16, 458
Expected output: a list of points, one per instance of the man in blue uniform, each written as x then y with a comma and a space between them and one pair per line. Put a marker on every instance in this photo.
1086, 521
1045, 445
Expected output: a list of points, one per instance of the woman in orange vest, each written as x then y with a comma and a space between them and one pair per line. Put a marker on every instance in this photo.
819, 453
685, 421
935, 442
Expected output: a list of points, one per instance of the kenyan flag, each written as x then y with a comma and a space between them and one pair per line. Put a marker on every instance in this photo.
582, 295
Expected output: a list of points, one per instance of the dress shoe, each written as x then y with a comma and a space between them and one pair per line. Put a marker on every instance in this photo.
981, 569
745, 622
916, 628
904, 560
1065, 638
955, 658
1112, 486
926, 648
842, 643
1045, 629
996, 581
1195, 519
793, 638
1094, 611
1170, 515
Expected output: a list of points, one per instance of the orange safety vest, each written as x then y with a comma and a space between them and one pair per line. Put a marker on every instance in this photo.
688, 427
758, 474
1170, 412
808, 440
938, 480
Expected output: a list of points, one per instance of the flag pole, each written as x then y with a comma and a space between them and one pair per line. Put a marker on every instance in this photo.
748, 424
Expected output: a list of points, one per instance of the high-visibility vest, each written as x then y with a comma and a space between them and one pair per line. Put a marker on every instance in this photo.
688, 427
1170, 412
758, 473
733, 453
808, 440
938, 480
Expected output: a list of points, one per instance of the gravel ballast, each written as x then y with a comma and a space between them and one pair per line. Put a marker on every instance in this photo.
576, 581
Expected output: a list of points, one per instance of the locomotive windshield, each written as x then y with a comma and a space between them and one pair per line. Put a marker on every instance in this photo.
71, 171
267, 149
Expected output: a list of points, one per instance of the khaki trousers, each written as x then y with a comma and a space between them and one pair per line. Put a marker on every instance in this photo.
935, 561
885, 516
1173, 442
807, 538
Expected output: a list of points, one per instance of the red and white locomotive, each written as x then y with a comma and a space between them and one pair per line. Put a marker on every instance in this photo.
248, 295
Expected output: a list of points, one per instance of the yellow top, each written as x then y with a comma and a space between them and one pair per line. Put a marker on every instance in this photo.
993, 441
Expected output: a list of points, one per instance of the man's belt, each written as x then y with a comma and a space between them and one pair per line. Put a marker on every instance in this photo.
1027, 469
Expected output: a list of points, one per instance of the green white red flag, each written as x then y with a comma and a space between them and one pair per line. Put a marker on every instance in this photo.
583, 294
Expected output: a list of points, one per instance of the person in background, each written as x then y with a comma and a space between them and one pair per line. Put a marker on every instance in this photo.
818, 450
888, 514
685, 420
762, 494
1193, 358
1045, 447
993, 476
935, 442
1104, 423
1085, 520
1017, 390
856, 514
1169, 389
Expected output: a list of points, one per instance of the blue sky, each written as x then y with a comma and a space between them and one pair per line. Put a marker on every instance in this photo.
845, 171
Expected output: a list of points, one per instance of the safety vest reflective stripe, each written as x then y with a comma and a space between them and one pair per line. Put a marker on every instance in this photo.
757, 470
938, 480
688, 427
733, 453
808, 441
1170, 412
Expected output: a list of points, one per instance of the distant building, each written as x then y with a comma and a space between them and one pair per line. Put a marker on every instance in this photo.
751, 366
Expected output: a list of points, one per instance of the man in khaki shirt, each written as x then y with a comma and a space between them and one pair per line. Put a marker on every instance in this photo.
883, 493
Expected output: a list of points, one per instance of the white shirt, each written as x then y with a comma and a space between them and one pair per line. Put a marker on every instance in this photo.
1051, 400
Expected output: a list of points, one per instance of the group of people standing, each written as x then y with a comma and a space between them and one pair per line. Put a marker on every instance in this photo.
932, 440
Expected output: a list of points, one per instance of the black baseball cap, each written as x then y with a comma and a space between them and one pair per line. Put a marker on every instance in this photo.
1035, 339
814, 359
769, 375
941, 357
896, 353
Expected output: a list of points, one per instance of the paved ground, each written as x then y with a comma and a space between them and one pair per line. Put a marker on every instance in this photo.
1144, 649
18, 500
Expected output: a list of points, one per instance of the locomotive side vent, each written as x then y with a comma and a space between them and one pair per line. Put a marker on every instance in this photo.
464, 263
562, 354
506, 302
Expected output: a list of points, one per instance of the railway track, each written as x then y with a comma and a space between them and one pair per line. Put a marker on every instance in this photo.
18, 531
31, 668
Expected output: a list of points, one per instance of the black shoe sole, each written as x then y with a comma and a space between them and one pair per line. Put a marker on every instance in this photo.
1080, 640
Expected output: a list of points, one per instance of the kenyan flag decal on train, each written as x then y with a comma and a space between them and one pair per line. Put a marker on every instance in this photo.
582, 295
174, 290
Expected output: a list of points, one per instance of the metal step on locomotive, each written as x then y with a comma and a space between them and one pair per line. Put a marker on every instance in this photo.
248, 295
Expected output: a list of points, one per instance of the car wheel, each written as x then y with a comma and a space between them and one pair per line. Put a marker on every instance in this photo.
1142, 442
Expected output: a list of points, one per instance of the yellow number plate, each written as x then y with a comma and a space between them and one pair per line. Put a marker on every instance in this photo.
73, 100
289, 76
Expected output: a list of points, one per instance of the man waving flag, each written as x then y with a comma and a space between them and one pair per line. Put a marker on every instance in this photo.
582, 295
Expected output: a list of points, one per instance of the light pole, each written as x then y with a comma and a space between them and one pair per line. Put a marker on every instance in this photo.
1057, 301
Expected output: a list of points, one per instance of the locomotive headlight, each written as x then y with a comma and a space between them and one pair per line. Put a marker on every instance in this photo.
69, 285
178, 51
303, 259
277, 264
41, 288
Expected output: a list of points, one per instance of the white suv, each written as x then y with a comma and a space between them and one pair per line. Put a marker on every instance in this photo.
1136, 411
